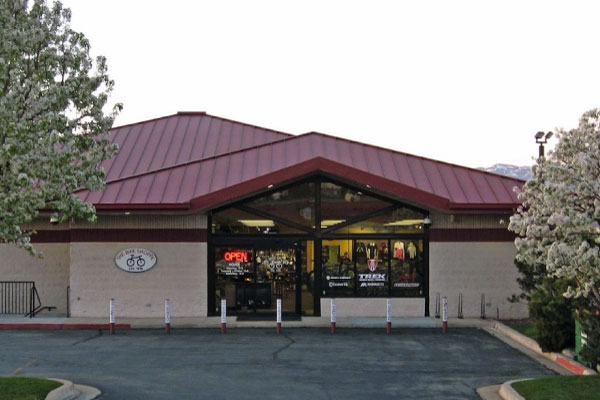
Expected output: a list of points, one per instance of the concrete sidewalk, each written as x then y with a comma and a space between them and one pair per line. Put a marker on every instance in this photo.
62, 322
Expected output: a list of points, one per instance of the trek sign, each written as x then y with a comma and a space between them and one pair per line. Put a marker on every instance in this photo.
135, 260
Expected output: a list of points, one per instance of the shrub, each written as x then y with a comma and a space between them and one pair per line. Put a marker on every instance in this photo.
553, 314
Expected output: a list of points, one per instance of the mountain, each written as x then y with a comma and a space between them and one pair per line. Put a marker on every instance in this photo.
513, 171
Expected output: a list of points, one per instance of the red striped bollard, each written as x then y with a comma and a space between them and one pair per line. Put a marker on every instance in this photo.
112, 315
333, 311
223, 316
389, 316
168, 316
278, 315
445, 314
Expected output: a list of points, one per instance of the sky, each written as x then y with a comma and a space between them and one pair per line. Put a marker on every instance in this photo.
466, 82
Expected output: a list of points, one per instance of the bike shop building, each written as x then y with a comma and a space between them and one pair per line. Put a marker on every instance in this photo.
199, 209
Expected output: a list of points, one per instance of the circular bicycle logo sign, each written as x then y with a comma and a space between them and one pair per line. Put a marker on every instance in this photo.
135, 260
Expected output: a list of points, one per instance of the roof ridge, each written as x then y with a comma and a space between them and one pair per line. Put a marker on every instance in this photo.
411, 155
241, 123
201, 113
183, 164
150, 120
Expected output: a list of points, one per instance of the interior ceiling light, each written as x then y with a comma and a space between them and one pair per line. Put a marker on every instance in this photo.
257, 223
329, 222
405, 222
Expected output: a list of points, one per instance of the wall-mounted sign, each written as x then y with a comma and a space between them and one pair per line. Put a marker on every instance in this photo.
236, 255
135, 260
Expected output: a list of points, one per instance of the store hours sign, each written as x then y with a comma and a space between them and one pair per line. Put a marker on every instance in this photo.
135, 260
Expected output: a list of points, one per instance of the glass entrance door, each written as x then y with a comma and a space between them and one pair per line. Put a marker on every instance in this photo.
252, 279
275, 279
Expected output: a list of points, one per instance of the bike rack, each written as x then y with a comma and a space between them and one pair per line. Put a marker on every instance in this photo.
482, 316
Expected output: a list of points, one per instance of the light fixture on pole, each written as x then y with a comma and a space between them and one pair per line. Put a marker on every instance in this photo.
541, 138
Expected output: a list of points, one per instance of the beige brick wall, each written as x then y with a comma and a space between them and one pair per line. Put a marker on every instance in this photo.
474, 268
50, 273
179, 275
374, 307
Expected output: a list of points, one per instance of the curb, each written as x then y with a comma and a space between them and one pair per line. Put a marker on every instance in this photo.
63, 326
70, 391
531, 344
508, 393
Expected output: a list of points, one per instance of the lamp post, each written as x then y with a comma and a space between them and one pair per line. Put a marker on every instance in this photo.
541, 138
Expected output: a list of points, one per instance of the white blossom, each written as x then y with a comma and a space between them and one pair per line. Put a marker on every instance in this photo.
53, 130
558, 221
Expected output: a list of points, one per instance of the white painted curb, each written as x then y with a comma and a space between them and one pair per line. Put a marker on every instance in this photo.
508, 393
65, 392
69, 391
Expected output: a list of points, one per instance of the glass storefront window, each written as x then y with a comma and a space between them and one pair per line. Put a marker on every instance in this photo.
295, 204
380, 255
339, 203
372, 267
407, 268
398, 221
338, 268
380, 268
236, 221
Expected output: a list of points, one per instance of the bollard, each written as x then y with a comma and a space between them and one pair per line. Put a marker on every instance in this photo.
445, 314
389, 316
168, 316
278, 315
112, 316
333, 310
223, 316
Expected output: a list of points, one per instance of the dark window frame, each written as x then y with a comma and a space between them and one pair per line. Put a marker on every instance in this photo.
317, 235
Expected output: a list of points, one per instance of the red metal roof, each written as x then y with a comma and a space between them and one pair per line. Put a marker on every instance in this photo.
177, 139
197, 161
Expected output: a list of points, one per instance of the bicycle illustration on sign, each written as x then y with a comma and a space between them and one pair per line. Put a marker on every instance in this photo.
131, 261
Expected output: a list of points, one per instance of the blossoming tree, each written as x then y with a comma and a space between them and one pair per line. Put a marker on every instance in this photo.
53, 125
558, 221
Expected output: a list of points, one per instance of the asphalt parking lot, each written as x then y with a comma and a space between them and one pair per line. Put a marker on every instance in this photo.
260, 364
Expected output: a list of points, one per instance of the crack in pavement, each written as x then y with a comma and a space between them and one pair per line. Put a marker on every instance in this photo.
276, 353
88, 339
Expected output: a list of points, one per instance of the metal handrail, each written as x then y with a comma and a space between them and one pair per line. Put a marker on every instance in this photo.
15, 297
20, 297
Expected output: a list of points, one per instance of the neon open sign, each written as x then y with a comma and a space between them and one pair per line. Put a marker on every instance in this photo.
236, 256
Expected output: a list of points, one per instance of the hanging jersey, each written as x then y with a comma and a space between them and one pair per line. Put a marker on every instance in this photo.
399, 250
412, 250
372, 251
